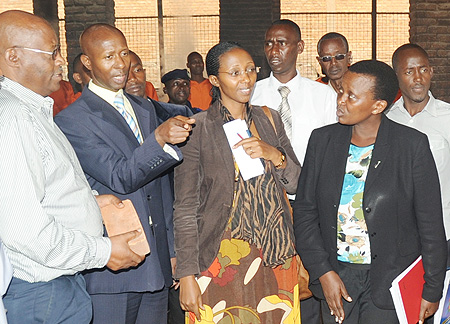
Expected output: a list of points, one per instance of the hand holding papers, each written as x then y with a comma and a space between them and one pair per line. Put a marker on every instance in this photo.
236, 130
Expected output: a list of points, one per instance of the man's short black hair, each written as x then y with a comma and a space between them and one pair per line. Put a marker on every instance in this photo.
403, 48
386, 83
332, 35
288, 22
191, 54
76, 63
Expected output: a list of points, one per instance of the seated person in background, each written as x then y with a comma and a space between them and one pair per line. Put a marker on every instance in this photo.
334, 59
200, 87
177, 86
63, 97
136, 85
368, 204
81, 74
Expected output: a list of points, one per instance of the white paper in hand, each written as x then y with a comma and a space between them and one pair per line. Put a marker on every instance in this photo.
248, 167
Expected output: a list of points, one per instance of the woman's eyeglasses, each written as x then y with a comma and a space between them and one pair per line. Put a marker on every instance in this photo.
238, 73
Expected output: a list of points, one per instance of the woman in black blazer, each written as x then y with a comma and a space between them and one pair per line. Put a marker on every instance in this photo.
357, 228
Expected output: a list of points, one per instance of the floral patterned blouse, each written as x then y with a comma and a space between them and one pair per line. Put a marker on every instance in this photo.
352, 236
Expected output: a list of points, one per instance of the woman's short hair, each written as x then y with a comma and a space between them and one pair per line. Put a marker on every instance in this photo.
386, 83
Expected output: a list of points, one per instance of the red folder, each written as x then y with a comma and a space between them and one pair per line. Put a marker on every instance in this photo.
406, 291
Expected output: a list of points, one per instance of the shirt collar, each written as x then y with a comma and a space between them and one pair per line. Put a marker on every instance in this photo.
293, 83
104, 93
429, 108
43, 105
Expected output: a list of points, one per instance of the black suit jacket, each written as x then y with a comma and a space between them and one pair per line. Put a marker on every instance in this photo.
402, 207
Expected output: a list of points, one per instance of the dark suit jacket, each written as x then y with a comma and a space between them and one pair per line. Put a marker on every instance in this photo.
204, 185
402, 207
115, 163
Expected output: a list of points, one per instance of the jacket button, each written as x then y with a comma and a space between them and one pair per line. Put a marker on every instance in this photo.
334, 206
374, 257
149, 197
368, 209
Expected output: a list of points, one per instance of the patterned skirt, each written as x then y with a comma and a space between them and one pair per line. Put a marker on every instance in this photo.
237, 288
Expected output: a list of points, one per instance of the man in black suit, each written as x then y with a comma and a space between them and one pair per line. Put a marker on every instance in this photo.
368, 204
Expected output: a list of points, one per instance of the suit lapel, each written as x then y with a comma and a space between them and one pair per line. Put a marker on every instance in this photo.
264, 127
340, 143
109, 115
145, 122
379, 155
219, 140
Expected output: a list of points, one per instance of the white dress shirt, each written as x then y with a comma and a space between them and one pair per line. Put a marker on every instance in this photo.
434, 121
5, 278
312, 104
109, 97
50, 223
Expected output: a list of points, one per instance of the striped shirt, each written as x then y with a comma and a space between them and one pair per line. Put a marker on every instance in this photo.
50, 223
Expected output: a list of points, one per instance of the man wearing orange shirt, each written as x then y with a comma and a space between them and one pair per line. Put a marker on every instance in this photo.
200, 87
63, 97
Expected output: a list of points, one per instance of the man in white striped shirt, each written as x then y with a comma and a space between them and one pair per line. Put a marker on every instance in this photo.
50, 221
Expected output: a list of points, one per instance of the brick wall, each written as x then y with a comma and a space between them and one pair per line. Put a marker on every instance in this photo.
245, 22
25, 5
430, 28
79, 14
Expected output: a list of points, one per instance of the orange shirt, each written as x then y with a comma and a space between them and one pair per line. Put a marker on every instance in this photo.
200, 94
321, 80
150, 91
63, 97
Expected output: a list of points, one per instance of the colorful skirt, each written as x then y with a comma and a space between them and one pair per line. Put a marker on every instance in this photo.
237, 288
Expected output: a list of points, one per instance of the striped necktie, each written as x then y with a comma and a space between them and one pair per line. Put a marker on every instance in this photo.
120, 106
285, 110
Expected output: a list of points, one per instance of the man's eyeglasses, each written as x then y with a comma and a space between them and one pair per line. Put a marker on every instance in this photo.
337, 57
238, 73
54, 53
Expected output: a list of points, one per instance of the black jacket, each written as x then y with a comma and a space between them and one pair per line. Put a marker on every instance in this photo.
402, 207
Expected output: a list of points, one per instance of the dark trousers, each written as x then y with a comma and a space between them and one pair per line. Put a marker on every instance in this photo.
310, 311
176, 314
361, 310
130, 308
61, 300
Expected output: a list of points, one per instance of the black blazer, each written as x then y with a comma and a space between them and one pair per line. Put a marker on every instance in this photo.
402, 207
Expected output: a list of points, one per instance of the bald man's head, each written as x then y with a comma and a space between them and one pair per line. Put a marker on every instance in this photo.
106, 55
30, 52
19, 27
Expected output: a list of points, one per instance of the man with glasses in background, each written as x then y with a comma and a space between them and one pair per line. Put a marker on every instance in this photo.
303, 104
334, 59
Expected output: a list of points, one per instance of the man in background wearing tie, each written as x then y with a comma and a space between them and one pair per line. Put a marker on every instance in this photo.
123, 150
303, 104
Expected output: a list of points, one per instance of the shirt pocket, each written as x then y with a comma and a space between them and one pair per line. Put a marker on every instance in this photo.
439, 147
